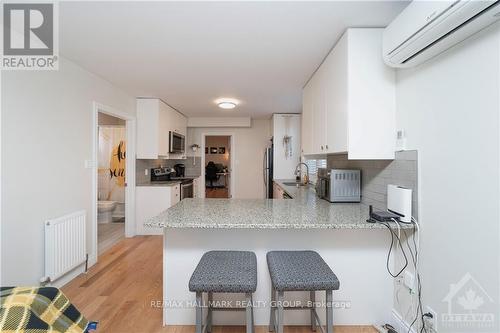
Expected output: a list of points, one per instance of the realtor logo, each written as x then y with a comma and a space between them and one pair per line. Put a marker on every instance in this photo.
29, 36
468, 305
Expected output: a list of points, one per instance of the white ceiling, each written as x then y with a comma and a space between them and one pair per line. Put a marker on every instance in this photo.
191, 53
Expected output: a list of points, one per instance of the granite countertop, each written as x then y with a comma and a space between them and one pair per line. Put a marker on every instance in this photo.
304, 211
165, 183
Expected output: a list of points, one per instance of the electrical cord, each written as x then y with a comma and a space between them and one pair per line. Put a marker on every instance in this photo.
393, 235
415, 259
414, 253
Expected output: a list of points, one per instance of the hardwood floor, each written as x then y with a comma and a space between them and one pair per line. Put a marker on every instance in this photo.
119, 289
216, 193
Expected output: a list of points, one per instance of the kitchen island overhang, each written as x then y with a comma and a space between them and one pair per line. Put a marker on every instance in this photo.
356, 250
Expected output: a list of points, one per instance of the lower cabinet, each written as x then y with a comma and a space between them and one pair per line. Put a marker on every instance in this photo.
151, 201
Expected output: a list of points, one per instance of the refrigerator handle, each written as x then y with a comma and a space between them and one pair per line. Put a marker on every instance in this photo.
264, 167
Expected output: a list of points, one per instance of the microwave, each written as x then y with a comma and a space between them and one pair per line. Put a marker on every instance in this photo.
176, 143
337, 185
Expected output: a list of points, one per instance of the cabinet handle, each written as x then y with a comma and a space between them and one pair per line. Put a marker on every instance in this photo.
321, 147
326, 146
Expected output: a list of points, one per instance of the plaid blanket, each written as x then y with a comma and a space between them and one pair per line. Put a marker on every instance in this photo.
38, 310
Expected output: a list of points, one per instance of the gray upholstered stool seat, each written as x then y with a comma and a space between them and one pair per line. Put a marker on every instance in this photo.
225, 272
300, 270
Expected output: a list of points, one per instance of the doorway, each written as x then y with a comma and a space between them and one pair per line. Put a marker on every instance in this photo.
111, 168
113, 185
217, 166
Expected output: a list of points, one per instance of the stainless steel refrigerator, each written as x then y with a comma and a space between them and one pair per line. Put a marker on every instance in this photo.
268, 171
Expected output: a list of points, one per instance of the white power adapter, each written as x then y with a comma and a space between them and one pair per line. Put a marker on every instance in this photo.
399, 201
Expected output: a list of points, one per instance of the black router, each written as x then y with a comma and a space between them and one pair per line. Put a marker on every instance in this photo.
382, 216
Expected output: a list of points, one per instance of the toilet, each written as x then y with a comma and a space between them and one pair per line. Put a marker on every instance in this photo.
105, 211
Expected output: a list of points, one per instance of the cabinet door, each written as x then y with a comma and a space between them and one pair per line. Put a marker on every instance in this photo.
150, 201
147, 128
163, 132
176, 194
319, 107
307, 120
371, 93
336, 98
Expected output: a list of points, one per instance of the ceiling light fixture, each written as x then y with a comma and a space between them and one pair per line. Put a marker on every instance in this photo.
227, 105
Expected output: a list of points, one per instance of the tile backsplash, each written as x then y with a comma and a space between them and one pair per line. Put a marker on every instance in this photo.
377, 174
193, 167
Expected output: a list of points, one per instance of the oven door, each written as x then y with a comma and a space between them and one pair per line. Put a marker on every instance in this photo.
176, 144
187, 189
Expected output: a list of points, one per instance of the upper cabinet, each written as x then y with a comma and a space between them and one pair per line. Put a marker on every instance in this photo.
155, 120
349, 105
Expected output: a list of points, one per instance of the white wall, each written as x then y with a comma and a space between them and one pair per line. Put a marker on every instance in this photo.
249, 146
46, 137
450, 110
286, 125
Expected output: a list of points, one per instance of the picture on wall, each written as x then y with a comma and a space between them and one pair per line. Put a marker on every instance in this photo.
222, 150
213, 150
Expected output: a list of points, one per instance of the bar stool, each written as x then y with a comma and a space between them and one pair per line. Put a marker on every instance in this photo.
224, 272
300, 271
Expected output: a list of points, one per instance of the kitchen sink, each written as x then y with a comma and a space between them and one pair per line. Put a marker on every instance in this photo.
293, 184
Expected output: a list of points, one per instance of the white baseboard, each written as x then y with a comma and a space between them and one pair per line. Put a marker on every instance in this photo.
92, 260
68, 277
400, 324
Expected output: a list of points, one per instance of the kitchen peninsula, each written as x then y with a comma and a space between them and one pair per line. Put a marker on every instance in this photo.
356, 250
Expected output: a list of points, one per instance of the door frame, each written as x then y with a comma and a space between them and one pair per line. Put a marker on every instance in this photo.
232, 165
130, 128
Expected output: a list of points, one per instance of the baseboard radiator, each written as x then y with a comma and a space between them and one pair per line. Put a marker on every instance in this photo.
65, 245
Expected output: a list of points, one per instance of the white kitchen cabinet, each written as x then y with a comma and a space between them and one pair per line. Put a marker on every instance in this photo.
151, 201
307, 120
155, 120
286, 159
351, 100
175, 194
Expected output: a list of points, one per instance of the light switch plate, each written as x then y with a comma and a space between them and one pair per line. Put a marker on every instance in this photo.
89, 164
400, 140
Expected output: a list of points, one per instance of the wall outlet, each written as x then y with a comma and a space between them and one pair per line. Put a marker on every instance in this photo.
430, 321
409, 280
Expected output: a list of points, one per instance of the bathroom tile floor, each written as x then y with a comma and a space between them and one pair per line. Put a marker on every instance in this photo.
108, 234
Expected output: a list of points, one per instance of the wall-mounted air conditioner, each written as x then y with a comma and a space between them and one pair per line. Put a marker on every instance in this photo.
426, 28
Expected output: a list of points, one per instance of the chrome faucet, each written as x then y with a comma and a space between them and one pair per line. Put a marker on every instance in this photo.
297, 171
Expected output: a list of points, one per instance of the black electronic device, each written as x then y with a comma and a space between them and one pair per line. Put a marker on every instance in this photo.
382, 216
